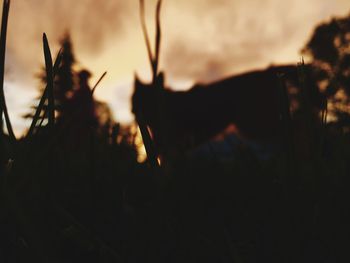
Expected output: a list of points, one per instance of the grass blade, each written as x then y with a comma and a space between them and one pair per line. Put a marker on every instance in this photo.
158, 39
49, 79
145, 33
98, 82
43, 98
148, 142
3, 107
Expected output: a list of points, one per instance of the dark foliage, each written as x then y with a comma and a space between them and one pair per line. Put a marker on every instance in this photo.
71, 193
329, 49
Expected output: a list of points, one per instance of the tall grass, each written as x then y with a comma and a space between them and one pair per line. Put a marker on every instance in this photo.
43, 98
49, 79
3, 107
151, 151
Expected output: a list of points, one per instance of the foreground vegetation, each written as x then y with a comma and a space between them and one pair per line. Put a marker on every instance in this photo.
71, 192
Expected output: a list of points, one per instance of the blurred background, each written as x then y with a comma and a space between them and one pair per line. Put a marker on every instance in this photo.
106, 36
249, 172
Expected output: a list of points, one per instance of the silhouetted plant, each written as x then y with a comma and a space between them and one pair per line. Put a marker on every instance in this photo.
85, 198
329, 50
65, 76
64, 80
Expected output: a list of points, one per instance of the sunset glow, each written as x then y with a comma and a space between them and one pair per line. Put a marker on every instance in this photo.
202, 41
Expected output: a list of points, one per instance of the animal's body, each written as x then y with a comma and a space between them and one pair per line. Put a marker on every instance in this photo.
251, 101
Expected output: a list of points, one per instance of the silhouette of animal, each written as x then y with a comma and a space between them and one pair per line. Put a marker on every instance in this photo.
252, 102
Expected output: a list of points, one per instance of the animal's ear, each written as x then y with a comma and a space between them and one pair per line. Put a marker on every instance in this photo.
137, 81
160, 79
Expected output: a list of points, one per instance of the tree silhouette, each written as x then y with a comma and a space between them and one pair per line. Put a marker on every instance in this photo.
329, 50
65, 76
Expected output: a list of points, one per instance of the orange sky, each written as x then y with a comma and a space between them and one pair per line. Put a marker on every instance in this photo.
203, 40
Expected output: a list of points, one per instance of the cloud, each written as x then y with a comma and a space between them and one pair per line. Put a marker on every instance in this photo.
91, 23
203, 40
210, 39
219, 36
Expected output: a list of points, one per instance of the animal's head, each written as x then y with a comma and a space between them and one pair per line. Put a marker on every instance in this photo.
145, 93
144, 99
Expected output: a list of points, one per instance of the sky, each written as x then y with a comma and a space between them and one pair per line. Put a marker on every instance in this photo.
203, 41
